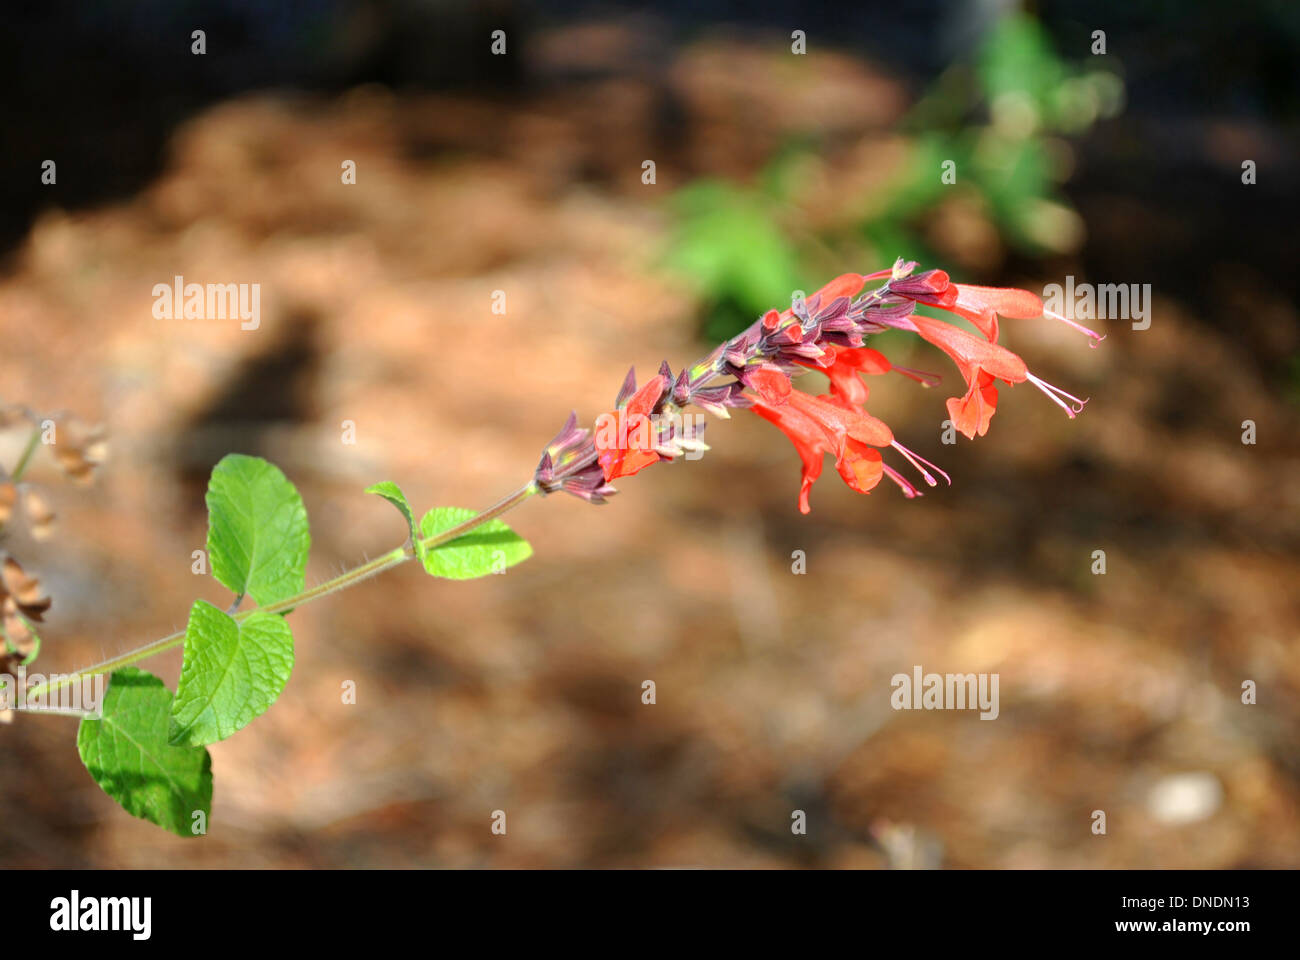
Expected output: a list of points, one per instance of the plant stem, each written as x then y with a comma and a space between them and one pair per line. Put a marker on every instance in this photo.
21, 467
344, 580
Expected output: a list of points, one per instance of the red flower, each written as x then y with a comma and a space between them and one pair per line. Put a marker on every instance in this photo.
837, 424
825, 333
771, 383
626, 438
821, 425
846, 363
980, 364
980, 305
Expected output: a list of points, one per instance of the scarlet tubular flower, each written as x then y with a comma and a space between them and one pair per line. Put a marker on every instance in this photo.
980, 305
824, 332
818, 426
980, 363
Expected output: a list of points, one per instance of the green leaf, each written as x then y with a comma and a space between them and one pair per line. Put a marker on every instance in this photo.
233, 671
486, 549
257, 529
918, 185
127, 752
730, 243
1017, 58
393, 494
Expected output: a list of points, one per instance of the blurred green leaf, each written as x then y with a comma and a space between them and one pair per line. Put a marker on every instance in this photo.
920, 184
1017, 59
1013, 174
730, 244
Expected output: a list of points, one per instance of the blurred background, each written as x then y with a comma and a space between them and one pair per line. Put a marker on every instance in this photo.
774, 171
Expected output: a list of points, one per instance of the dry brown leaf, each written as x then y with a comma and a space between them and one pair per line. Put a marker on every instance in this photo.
81, 450
25, 591
96, 449
40, 518
74, 463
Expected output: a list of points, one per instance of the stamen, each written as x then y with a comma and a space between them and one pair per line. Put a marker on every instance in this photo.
909, 491
916, 460
1055, 394
1094, 338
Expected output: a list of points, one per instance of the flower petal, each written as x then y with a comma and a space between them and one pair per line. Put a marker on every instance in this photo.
982, 305
861, 467
809, 439
971, 414
845, 285
970, 353
772, 385
625, 438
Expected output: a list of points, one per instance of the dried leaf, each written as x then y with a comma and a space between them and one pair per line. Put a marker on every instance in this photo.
74, 463
40, 518
25, 591
80, 449
96, 449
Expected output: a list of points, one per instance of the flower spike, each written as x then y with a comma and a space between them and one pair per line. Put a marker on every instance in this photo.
824, 332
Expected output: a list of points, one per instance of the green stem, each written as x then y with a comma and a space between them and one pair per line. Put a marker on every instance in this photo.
344, 580
21, 467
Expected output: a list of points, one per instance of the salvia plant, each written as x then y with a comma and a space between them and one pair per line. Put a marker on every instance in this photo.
147, 746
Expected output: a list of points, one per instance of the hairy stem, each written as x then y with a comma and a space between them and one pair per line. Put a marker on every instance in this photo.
344, 580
